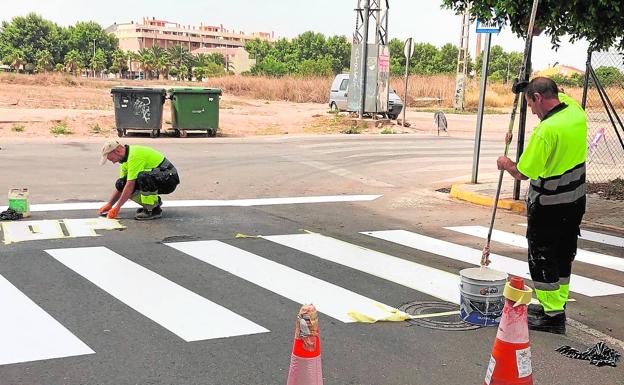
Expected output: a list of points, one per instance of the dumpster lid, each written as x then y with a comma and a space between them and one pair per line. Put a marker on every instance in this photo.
195, 90
141, 90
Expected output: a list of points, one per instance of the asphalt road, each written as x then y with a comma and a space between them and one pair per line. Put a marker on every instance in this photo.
99, 288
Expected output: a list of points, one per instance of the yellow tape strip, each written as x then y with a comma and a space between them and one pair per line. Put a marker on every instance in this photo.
520, 297
241, 235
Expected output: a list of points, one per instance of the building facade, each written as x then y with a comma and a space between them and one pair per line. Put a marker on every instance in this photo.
150, 32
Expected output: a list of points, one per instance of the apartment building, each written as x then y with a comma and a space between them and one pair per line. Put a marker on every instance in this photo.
150, 32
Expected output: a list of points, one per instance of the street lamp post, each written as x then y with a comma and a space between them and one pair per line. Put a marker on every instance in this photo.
93, 64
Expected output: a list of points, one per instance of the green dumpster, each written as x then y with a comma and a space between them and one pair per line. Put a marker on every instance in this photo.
195, 108
138, 108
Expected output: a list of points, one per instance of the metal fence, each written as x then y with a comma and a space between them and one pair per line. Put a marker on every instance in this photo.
604, 104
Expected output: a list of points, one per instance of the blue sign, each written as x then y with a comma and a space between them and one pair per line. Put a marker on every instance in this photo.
490, 26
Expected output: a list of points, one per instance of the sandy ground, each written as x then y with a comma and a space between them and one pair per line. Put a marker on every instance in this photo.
31, 111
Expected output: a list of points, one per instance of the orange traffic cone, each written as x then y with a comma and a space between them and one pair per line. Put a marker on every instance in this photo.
510, 362
305, 361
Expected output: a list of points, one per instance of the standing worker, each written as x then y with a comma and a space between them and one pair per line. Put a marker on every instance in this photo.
143, 174
554, 160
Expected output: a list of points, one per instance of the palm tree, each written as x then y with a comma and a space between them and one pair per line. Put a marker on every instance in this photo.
44, 60
119, 61
147, 61
73, 61
180, 55
161, 60
98, 62
15, 59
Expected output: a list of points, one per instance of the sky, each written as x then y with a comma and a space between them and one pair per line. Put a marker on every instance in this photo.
423, 20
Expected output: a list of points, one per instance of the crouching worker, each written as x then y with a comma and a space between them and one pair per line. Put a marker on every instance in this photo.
144, 173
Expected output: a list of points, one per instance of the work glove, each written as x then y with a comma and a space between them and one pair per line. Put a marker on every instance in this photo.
112, 213
519, 85
104, 209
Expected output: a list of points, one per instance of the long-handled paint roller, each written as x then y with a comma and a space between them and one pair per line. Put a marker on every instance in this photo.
485, 258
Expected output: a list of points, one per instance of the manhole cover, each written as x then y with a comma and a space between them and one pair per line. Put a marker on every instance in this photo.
179, 238
449, 322
446, 190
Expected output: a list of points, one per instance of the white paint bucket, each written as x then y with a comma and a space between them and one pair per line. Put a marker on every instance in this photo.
481, 292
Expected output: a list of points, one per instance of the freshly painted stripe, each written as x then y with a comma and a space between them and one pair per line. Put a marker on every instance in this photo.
598, 237
578, 284
172, 306
586, 256
28, 333
328, 298
211, 203
434, 282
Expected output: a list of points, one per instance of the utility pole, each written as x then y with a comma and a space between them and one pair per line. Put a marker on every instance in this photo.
361, 67
462, 63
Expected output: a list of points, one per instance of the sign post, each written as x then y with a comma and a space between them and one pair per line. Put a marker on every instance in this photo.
408, 51
487, 28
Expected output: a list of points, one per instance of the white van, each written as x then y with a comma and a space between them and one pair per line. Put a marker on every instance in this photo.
340, 90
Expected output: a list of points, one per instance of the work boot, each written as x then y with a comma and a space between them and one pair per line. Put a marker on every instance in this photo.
546, 323
538, 309
146, 215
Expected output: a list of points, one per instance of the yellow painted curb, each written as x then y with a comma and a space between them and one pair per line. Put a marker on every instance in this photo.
458, 193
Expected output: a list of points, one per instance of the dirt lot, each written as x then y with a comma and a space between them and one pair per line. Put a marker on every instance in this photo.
84, 109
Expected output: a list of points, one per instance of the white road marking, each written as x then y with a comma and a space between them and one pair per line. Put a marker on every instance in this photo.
170, 305
20, 231
586, 256
328, 298
578, 284
598, 237
211, 202
28, 333
434, 282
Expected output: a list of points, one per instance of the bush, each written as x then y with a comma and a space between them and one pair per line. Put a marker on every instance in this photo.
18, 128
61, 129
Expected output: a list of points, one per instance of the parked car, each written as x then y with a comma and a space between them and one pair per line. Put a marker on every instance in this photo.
340, 90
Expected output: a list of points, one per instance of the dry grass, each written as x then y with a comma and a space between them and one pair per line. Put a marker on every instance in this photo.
433, 91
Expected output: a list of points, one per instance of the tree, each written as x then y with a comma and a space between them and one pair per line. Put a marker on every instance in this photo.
320, 67
85, 37
15, 59
73, 61
503, 65
397, 57
98, 61
179, 55
270, 66
257, 49
600, 22
31, 34
338, 49
183, 72
147, 61
119, 62
609, 76
446, 59
44, 61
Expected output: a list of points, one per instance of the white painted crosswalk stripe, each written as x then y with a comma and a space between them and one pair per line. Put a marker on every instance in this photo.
578, 284
434, 282
328, 298
598, 237
585, 256
28, 333
172, 306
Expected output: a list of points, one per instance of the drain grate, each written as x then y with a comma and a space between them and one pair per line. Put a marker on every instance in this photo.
450, 323
446, 190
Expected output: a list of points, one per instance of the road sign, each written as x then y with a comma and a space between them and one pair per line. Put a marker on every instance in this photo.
409, 48
490, 26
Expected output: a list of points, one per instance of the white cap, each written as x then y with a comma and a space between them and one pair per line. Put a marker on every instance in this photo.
107, 148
